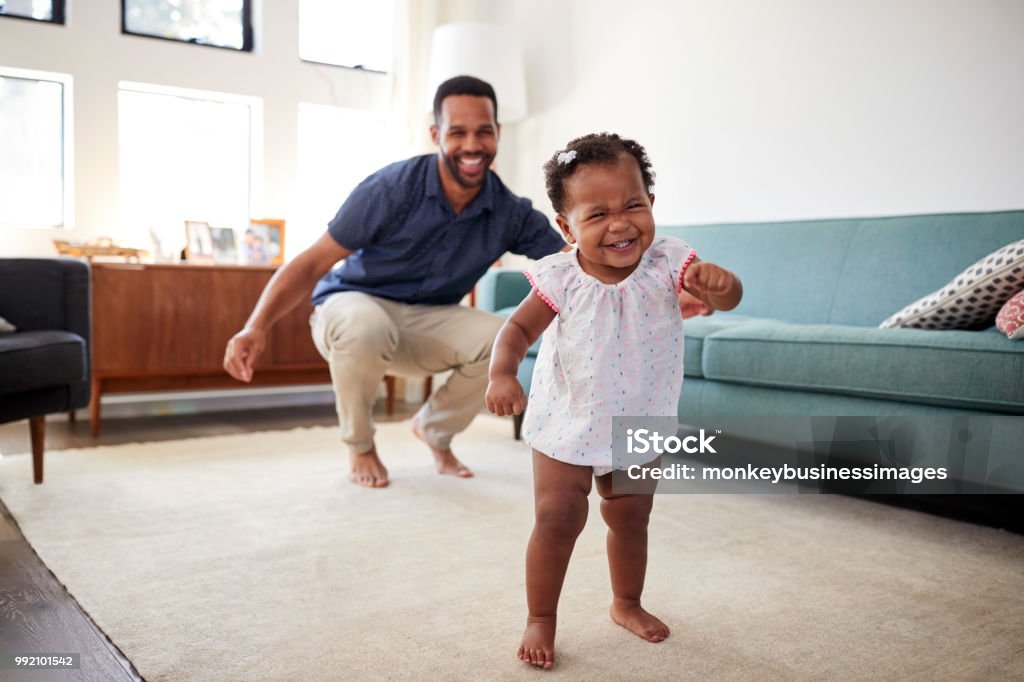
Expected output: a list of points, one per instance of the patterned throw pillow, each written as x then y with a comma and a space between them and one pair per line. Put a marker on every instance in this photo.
1010, 319
972, 299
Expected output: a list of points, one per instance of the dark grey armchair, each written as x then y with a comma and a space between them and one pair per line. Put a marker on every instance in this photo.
44, 365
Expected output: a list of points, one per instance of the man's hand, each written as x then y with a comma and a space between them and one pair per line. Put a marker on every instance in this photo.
243, 350
691, 306
505, 396
289, 286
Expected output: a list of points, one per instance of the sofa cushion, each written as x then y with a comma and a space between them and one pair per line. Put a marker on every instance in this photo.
31, 360
972, 298
973, 370
1010, 319
697, 329
851, 271
815, 250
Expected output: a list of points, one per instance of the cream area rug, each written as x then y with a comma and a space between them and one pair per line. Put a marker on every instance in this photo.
253, 558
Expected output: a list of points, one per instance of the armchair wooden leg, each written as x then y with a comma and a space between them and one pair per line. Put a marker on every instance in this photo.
37, 429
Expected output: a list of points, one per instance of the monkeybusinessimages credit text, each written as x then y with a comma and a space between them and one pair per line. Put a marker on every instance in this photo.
646, 442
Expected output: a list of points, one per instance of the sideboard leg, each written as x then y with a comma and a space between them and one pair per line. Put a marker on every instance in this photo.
389, 402
94, 407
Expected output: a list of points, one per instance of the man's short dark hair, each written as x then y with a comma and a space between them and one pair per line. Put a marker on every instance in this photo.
464, 85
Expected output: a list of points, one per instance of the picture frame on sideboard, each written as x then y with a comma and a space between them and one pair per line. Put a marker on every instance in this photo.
225, 246
198, 242
263, 242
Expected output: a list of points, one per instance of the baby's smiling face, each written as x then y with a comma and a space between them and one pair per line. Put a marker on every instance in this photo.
608, 217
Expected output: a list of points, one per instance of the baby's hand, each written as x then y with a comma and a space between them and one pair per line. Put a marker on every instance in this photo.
705, 279
690, 305
505, 396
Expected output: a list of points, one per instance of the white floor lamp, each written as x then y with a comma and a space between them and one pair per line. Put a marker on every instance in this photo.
488, 51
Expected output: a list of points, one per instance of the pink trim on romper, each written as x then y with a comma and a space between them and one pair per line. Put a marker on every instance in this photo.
689, 258
540, 293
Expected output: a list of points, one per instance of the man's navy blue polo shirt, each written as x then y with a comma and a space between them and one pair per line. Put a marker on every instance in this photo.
408, 245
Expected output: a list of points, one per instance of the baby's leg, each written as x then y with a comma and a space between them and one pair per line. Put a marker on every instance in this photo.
627, 517
560, 507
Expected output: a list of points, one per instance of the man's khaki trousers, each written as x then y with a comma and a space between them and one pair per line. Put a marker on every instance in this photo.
364, 337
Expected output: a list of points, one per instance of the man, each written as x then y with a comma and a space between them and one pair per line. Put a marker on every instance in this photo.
415, 237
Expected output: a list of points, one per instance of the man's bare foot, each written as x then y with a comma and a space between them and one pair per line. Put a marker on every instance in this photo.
634, 618
367, 469
538, 646
446, 461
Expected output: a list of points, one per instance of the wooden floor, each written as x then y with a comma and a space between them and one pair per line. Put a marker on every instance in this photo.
37, 615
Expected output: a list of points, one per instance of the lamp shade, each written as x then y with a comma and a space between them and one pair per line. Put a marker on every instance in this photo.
487, 51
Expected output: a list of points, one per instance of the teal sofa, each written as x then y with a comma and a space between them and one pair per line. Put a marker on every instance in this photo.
804, 343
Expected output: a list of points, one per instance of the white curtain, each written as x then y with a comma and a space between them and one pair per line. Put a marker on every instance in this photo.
415, 21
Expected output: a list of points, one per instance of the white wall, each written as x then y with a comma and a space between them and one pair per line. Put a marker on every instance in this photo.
751, 109
775, 109
92, 49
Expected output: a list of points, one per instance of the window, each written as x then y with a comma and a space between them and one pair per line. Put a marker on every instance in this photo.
35, 136
219, 23
351, 33
338, 148
185, 155
39, 10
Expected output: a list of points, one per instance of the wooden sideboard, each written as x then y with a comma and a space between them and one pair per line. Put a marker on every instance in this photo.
164, 327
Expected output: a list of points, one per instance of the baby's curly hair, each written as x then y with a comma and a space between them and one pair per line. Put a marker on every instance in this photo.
596, 148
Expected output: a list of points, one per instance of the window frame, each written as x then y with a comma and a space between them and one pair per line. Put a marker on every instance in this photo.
59, 14
247, 31
358, 67
350, 67
67, 144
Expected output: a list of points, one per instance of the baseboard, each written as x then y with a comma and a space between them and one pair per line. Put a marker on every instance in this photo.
193, 402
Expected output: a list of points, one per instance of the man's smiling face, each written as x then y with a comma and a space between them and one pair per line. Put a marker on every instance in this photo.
467, 136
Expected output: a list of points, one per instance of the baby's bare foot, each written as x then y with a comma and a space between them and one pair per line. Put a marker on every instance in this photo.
446, 461
538, 646
367, 469
633, 617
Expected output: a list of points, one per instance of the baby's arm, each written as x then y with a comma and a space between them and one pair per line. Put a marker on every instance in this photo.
718, 288
504, 394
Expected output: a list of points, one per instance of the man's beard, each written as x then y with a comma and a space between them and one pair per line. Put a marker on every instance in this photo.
453, 168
